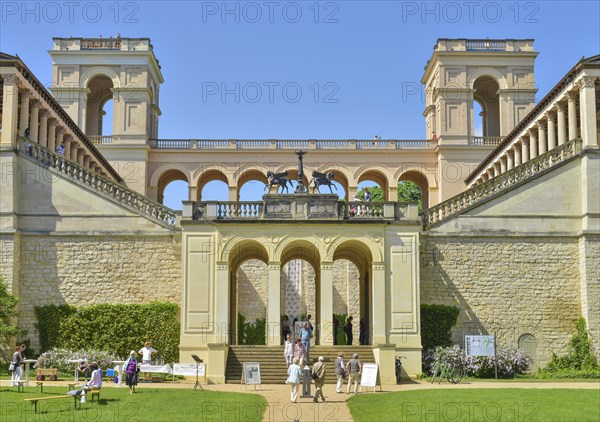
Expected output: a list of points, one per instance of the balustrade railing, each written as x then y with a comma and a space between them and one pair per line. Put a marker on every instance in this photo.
121, 194
483, 45
280, 209
485, 140
489, 188
287, 144
101, 140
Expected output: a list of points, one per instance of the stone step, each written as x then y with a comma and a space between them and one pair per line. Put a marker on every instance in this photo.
273, 368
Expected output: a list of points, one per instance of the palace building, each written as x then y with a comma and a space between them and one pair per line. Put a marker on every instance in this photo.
509, 231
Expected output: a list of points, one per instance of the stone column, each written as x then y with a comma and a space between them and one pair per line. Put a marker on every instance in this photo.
80, 156
379, 304
221, 315
587, 111
34, 120
274, 304
510, 161
52, 135
24, 123
502, 165
517, 153
392, 193
326, 305
43, 141
572, 105
352, 190
533, 143
542, 147
551, 130
496, 170
192, 192
10, 109
524, 151
233, 193
562, 123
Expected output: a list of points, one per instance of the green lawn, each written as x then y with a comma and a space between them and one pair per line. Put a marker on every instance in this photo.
473, 405
116, 404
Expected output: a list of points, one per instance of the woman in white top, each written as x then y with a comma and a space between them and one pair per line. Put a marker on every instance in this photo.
95, 382
288, 350
294, 376
146, 353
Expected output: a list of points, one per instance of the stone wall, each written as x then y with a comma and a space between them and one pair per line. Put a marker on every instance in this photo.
506, 285
589, 255
89, 270
252, 293
346, 292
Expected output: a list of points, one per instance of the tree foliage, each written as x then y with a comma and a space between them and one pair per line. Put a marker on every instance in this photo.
409, 192
8, 311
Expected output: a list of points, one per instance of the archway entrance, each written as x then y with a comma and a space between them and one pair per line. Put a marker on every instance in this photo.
99, 94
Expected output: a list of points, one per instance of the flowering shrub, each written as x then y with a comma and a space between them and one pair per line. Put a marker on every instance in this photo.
59, 358
511, 361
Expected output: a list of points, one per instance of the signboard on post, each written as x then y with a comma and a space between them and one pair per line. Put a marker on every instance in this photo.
480, 345
251, 373
370, 376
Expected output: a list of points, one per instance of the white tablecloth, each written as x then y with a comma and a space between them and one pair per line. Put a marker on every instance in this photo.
159, 369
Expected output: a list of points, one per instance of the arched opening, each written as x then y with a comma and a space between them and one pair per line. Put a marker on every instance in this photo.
528, 343
249, 296
99, 102
478, 118
300, 284
177, 184
339, 182
352, 261
413, 186
486, 99
213, 186
106, 124
376, 183
251, 185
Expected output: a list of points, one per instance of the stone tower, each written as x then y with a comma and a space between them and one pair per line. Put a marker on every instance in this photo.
498, 75
89, 72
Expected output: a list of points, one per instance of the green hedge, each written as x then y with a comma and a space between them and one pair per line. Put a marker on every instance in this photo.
436, 325
113, 328
251, 334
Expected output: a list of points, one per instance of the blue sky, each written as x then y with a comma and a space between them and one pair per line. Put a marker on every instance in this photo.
350, 60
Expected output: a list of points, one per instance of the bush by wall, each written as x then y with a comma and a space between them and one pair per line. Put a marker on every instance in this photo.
436, 325
580, 361
111, 328
248, 333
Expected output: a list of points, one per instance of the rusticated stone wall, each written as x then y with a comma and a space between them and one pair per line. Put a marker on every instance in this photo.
510, 286
89, 270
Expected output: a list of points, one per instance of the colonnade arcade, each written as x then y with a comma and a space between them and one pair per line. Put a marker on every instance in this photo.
254, 279
234, 180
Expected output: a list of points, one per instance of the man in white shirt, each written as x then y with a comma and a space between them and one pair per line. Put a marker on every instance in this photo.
146, 353
95, 382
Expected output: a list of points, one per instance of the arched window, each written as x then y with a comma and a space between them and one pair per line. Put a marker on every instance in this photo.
99, 93
486, 99
528, 343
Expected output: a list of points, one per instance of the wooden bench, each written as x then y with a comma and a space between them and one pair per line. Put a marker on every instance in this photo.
34, 401
20, 387
96, 393
39, 384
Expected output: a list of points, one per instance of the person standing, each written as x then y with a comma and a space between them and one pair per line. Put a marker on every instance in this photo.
305, 335
285, 329
15, 367
354, 369
146, 353
95, 382
340, 372
131, 371
318, 373
299, 351
348, 330
294, 376
362, 331
288, 350
336, 326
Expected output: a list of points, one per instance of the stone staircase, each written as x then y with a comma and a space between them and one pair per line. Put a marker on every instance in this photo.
273, 369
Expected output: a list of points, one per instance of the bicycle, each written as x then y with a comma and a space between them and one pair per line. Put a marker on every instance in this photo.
452, 372
399, 368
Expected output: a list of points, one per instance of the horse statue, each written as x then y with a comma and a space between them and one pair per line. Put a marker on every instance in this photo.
278, 179
322, 179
